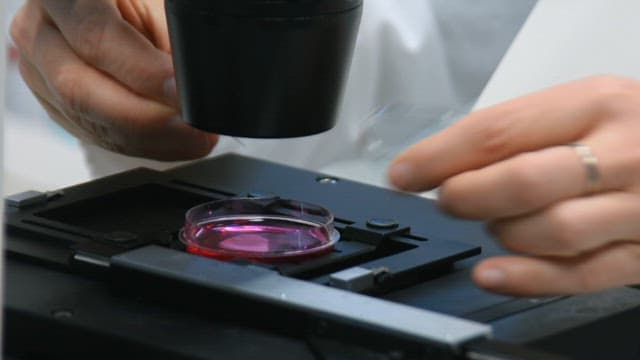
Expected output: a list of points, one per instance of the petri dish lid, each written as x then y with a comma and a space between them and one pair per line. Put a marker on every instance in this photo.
264, 229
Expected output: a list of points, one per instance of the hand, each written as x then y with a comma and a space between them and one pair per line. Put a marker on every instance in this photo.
509, 165
102, 69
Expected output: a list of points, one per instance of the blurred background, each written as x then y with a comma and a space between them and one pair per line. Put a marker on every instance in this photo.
42, 156
39, 155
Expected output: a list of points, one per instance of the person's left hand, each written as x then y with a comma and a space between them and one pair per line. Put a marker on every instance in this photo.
574, 226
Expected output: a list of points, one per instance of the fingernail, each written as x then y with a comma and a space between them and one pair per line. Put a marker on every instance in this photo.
171, 90
492, 277
401, 175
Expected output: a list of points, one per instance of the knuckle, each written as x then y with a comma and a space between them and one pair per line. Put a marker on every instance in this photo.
625, 173
525, 185
610, 83
494, 137
612, 95
565, 230
68, 88
19, 29
451, 196
145, 75
89, 36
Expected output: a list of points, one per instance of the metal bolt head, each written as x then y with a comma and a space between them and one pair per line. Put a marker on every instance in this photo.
62, 314
380, 223
327, 180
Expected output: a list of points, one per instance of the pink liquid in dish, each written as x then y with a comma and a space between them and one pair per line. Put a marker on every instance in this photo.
267, 238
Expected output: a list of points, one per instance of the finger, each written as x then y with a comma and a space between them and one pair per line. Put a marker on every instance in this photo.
38, 88
23, 26
574, 226
75, 130
532, 181
34, 80
519, 185
614, 265
149, 19
40, 91
557, 116
84, 130
65, 123
132, 124
97, 32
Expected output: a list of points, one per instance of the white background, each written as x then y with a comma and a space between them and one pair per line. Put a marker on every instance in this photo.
2, 76
455, 44
565, 40
38, 154
561, 41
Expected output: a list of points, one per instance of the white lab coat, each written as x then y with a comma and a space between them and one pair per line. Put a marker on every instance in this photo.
433, 53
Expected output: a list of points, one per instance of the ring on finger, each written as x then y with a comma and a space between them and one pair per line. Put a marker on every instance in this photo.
590, 163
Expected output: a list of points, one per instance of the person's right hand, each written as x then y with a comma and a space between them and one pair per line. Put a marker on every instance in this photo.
102, 69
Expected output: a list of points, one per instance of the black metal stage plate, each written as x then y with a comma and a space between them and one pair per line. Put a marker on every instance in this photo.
97, 271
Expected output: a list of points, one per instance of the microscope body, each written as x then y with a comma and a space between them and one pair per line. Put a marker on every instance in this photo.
262, 68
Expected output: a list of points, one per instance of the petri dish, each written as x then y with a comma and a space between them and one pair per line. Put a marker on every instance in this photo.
266, 229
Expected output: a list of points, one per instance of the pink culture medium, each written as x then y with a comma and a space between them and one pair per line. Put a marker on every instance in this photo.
264, 229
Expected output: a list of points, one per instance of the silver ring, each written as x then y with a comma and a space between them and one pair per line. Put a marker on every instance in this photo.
590, 162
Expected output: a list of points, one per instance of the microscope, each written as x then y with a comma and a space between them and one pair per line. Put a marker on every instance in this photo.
123, 266
262, 68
